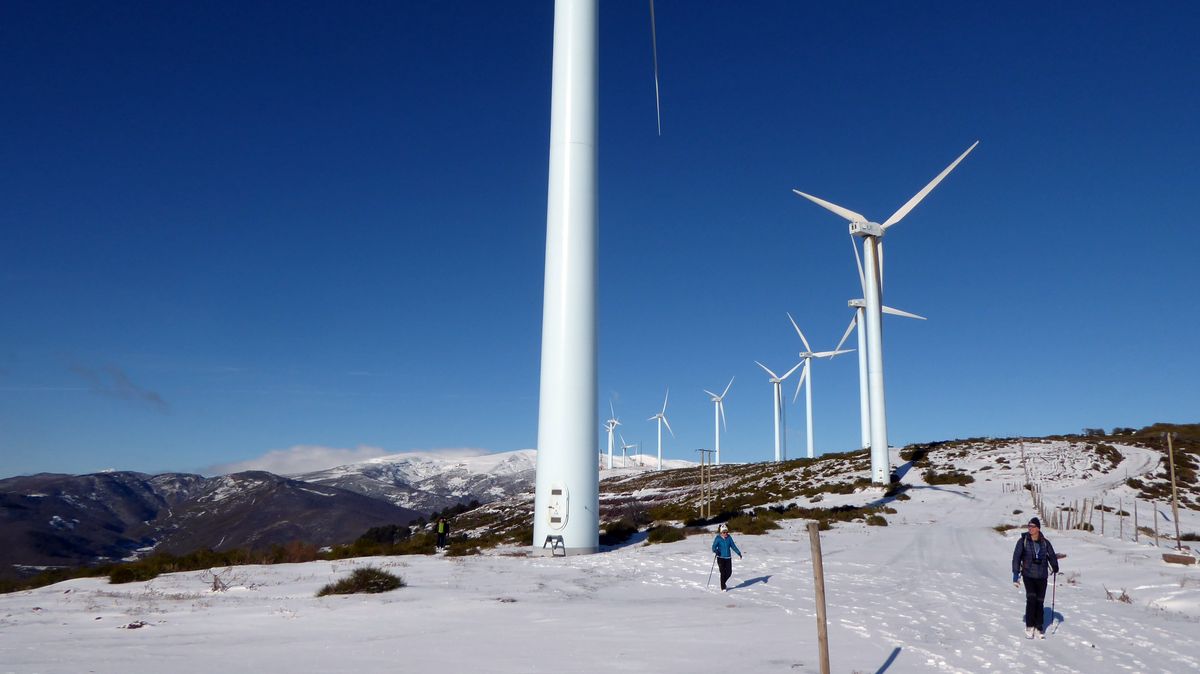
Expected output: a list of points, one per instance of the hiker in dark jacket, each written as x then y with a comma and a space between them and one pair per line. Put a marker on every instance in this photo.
722, 546
1030, 560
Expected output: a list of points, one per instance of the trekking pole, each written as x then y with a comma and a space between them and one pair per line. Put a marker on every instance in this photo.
1053, 596
710, 570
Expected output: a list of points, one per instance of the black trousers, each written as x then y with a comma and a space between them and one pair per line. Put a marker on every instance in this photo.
441, 540
1035, 596
726, 566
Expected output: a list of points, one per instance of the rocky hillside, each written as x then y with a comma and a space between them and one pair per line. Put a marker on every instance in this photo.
51, 520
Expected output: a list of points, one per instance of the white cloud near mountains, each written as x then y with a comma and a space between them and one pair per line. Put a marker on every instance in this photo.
309, 458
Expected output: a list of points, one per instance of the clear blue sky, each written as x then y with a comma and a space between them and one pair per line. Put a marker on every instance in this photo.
237, 228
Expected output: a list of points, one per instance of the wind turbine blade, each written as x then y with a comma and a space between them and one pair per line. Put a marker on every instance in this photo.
897, 312
611, 410
654, 43
727, 388
664, 409
800, 383
789, 372
622, 436
912, 203
721, 409
711, 393
844, 212
830, 354
862, 279
768, 370
668, 424
798, 332
849, 329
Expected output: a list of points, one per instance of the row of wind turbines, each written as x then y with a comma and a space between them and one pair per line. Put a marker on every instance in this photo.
718, 400
868, 310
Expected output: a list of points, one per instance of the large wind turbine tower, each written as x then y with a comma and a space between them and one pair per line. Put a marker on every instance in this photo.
567, 500
871, 234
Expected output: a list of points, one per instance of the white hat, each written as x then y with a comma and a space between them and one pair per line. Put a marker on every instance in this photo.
722, 528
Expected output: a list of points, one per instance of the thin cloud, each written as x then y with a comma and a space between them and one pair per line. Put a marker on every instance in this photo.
301, 459
111, 381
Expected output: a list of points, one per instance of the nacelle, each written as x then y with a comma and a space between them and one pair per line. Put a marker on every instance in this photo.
862, 229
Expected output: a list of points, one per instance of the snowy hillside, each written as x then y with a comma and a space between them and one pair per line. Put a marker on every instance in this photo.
930, 591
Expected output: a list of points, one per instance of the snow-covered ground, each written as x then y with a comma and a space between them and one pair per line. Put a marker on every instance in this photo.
931, 592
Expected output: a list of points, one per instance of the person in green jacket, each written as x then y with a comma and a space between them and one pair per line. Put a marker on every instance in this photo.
443, 530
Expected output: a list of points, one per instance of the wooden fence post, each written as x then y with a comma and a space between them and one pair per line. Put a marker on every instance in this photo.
1154, 504
814, 539
1135, 521
1174, 495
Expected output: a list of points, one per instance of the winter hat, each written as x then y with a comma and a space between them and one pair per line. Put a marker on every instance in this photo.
722, 529
1036, 522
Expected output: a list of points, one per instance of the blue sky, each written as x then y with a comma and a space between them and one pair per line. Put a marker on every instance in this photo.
241, 230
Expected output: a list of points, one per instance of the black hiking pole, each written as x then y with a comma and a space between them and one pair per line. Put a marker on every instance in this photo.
710, 570
1053, 596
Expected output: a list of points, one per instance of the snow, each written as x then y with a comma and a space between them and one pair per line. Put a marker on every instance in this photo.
318, 493
931, 592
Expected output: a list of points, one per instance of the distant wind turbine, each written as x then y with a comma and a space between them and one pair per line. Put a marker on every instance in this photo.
806, 357
625, 446
609, 426
719, 416
779, 400
662, 419
871, 233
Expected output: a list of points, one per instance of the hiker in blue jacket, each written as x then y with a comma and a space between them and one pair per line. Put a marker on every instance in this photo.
722, 546
1030, 559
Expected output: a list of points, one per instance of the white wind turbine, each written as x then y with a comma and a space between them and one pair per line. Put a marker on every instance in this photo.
625, 446
719, 416
864, 402
779, 400
662, 419
610, 425
806, 357
871, 233
566, 500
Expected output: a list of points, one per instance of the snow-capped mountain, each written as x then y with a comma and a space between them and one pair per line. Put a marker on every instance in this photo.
428, 482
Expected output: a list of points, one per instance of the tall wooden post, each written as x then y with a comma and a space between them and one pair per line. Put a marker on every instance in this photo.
1174, 494
1154, 504
814, 539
